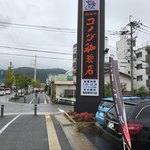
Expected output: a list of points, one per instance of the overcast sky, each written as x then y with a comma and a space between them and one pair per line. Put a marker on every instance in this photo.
54, 24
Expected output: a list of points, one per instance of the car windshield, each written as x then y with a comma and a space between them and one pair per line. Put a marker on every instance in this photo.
106, 104
128, 108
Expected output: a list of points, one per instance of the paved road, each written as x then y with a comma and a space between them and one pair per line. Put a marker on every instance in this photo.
21, 129
45, 105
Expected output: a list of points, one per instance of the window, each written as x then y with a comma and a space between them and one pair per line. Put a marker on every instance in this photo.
138, 55
129, 110
144, 113
139, 66
107, 104
140, 78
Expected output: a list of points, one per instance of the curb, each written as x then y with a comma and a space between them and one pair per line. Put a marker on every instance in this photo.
69, 118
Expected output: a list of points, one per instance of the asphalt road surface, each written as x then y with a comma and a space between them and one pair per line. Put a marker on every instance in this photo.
21, 129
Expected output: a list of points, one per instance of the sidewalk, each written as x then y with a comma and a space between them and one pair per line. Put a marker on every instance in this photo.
78, 141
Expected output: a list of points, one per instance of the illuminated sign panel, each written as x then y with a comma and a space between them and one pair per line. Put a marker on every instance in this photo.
90, 49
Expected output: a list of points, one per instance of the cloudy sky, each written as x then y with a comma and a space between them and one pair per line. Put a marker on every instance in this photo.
47, 29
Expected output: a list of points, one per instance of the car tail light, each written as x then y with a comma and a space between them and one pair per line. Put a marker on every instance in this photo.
133, 128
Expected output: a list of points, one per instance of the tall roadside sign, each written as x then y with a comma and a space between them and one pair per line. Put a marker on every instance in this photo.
90, 55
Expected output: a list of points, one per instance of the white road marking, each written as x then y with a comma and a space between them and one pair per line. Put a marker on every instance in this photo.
2, 130
45, 102
32, 100
61, 110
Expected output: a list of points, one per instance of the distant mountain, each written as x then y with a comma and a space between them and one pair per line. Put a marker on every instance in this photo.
42, 74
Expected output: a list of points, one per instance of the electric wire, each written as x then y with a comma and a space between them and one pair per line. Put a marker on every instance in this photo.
143, 31
31, 50
23, 55
144, 25
37, 27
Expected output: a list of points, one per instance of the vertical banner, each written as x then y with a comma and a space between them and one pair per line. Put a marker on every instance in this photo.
90, 48
117, 97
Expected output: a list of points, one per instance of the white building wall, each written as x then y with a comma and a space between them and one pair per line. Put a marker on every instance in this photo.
140, 71
123, 79
124, 58
60, 89
124, 62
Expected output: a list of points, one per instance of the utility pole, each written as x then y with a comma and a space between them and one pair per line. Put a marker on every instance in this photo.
131, 47
35, 68
10, 64
133, 25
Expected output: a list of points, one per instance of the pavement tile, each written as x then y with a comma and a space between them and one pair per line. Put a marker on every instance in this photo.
77, 140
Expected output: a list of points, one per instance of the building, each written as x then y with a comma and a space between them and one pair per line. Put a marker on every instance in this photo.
141, 61
142, 67
62, 86
124, 79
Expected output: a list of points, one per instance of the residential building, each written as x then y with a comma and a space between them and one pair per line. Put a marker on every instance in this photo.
141, 61
142, 67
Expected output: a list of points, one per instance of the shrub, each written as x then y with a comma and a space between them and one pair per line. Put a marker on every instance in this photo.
142, 91
82, 126
83, 117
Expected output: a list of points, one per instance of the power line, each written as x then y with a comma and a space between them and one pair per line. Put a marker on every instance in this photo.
144, 25
23, 55
36, 27
143, 31
31, 50
32, 46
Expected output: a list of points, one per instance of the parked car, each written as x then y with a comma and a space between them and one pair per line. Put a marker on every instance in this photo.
7, 91
138, 121
105, 105
2, 91
21, 92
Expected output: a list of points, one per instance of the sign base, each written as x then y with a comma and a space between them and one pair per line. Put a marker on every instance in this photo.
90, 107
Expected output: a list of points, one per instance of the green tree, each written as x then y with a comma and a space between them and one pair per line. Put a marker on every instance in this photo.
36, 84
142, 91
53, 92
22, 81
123, 87
108, 92
28, 81
9, 78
